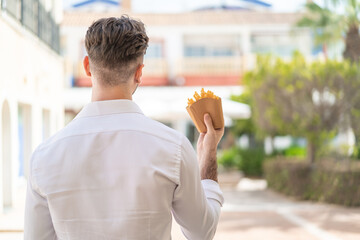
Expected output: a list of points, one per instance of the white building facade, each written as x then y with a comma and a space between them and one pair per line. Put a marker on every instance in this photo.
31, 86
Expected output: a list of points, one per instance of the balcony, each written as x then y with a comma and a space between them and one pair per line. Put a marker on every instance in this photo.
189, 71
210, 66
203, 71
154, 74
33, 16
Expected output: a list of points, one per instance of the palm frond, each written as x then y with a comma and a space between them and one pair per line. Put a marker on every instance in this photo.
313, 7
352, 12
327, 25
334, 3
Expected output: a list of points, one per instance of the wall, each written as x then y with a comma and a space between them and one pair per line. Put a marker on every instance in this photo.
31, 76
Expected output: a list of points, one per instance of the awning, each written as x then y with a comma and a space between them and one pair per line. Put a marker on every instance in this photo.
166, 103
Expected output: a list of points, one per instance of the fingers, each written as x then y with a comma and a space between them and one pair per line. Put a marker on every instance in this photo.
220, 131
208, 123
201, 137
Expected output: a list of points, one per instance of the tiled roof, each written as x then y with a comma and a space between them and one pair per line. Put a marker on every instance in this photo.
78, 18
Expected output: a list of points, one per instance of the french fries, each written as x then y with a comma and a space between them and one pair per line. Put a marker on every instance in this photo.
203, 94
205, 102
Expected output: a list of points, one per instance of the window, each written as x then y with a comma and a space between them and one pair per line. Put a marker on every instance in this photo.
211, 45
222, 52
278, 44
24, 138
195, 51
206, 51
155, 50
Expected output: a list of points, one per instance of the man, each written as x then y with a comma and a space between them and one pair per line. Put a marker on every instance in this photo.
113, 173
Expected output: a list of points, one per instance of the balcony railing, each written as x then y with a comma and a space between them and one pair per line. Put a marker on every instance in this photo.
33, 16
200, 71
155, 67
155, 73
210, 66
30, 11
13, 7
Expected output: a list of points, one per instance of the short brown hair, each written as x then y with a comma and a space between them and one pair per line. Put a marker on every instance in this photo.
113, 44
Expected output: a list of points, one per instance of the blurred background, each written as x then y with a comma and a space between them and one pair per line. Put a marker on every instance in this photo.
287, 73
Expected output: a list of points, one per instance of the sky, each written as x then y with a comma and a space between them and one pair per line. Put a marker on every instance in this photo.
181, 5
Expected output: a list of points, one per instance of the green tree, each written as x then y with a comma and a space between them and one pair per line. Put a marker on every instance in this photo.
330, 26
243, 126
352, 108
247, 126
302, 99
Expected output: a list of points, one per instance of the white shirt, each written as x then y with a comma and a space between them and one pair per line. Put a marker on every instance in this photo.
113, 173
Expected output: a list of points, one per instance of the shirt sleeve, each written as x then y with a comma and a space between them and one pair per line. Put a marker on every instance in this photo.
38, 223
196, 204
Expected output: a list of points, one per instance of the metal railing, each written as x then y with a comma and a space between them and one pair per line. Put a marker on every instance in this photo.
33, 16
30, 15
210, 66
13, 7
155, 67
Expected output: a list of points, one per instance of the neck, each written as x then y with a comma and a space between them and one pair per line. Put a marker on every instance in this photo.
110, 93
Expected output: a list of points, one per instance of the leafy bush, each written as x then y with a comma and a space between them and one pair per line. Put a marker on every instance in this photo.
335, 187
356, 153
292, 151
230, 158
247, 160
288, 177
318, 183
252, 161
295, 151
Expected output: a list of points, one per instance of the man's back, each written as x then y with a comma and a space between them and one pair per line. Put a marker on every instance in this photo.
112, 173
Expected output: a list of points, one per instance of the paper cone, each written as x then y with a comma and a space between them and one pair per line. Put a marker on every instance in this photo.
212, 106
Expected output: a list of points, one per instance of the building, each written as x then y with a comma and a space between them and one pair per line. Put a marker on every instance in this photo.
188, 50
196, 48
31, 86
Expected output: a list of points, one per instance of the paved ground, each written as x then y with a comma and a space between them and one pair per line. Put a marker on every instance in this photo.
253, 213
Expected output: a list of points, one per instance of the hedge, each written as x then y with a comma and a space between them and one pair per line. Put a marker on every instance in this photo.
318, 183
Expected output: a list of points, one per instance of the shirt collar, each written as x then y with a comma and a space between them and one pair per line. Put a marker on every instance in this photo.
108, 107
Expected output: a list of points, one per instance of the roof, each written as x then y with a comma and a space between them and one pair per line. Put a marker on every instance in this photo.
257, 2
221, 17
88, 2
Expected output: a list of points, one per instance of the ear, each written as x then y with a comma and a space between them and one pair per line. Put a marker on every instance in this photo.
138, 73
87, 66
